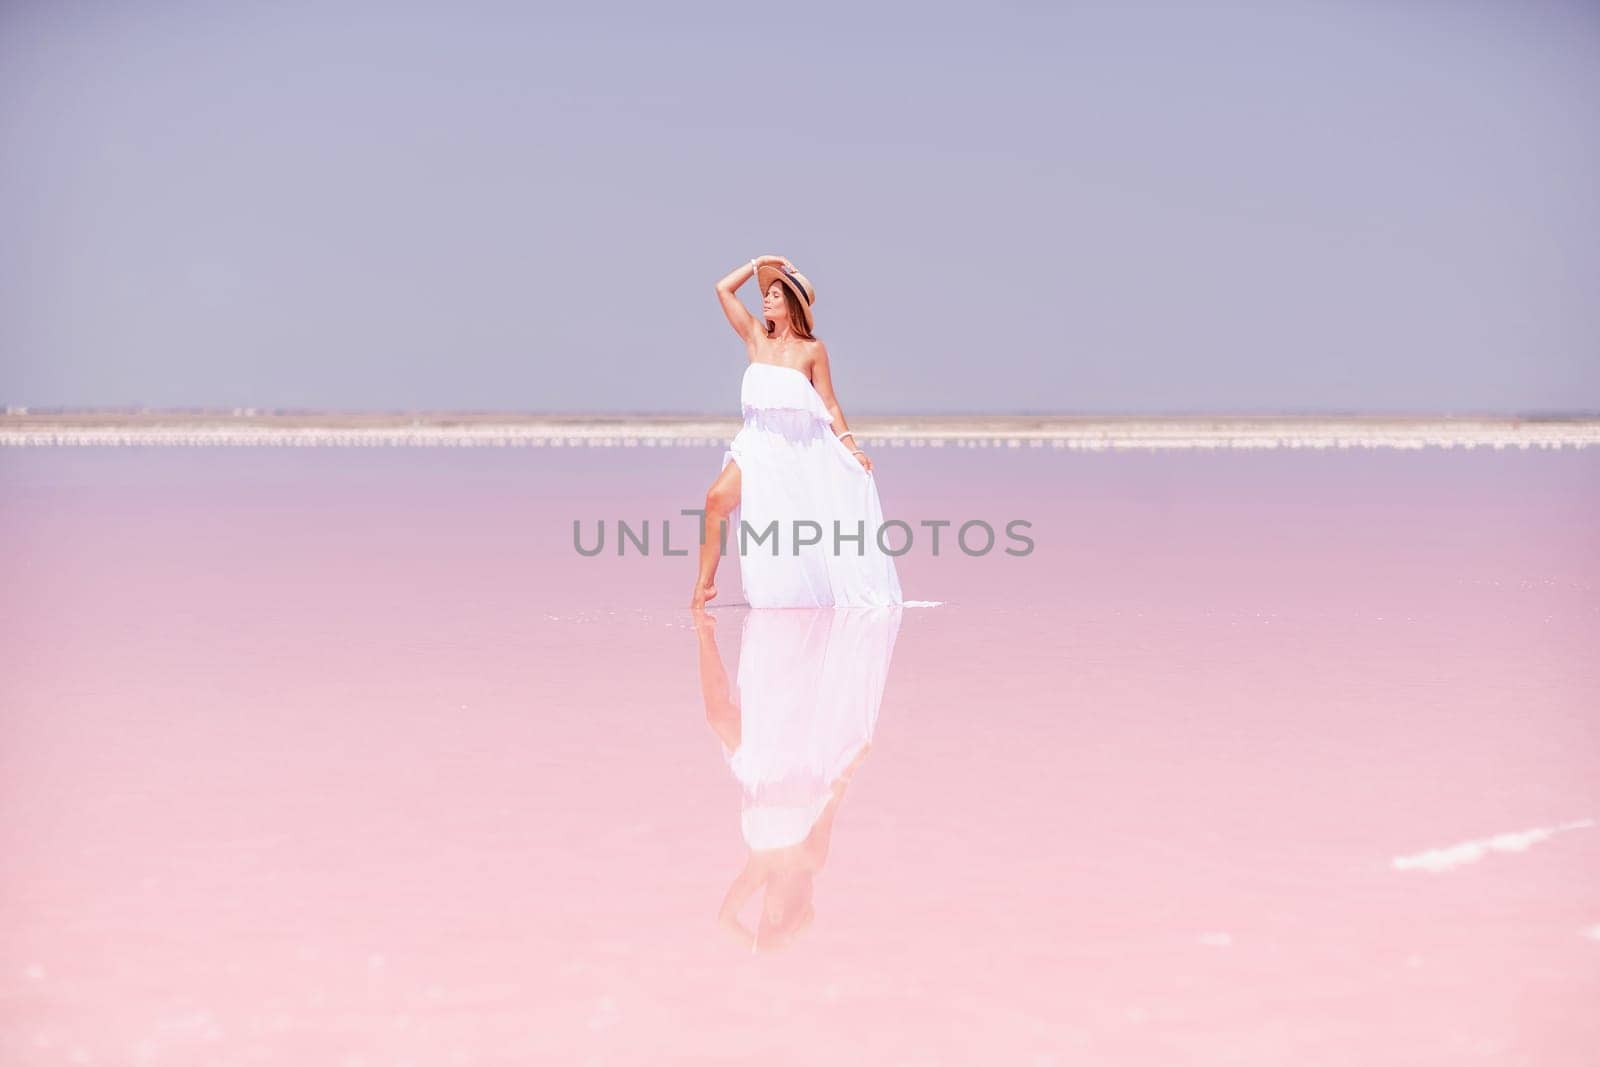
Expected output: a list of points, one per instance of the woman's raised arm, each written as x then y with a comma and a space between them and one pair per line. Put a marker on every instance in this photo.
746, 325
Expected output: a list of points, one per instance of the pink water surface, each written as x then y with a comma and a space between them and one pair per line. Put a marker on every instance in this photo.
337, 756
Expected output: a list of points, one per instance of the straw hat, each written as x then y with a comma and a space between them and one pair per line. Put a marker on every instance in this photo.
805, 293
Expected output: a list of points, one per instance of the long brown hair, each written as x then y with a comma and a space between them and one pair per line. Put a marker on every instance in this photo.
797, 315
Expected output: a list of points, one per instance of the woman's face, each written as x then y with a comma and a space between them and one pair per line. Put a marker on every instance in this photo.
772, 303
786, 907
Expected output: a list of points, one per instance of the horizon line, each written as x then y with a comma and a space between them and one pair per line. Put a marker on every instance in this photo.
10, 411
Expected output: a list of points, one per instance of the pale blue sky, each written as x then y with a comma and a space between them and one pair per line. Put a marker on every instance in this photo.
1119, 207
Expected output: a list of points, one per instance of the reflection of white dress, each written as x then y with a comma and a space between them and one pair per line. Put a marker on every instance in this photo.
791, 466
810, 683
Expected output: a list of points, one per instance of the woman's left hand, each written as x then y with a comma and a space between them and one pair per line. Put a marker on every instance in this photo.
866, 463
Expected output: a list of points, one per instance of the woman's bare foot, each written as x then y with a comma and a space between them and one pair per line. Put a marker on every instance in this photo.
703, 593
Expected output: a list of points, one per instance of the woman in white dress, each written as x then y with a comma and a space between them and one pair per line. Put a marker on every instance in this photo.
796, 500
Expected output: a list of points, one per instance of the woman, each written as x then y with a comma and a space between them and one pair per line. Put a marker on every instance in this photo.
796, 497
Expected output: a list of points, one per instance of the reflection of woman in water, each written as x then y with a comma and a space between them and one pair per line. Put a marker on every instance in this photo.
809, 685
788, 874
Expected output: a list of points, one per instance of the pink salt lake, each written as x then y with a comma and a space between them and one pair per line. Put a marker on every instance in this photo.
333, 756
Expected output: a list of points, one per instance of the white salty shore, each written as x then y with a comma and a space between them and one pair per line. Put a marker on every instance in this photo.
446, 429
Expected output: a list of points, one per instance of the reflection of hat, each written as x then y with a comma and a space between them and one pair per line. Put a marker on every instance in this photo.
805, 293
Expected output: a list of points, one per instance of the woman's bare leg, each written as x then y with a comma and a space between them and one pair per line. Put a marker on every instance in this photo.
721, 499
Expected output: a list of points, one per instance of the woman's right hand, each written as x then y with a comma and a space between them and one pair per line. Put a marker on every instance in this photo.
768, 261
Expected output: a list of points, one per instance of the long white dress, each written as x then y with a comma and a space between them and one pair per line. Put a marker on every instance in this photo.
810, 685
792, 467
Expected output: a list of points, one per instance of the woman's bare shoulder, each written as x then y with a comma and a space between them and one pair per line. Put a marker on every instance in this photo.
816, 352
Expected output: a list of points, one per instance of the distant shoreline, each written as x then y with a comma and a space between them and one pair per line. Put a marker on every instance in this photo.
245, 427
